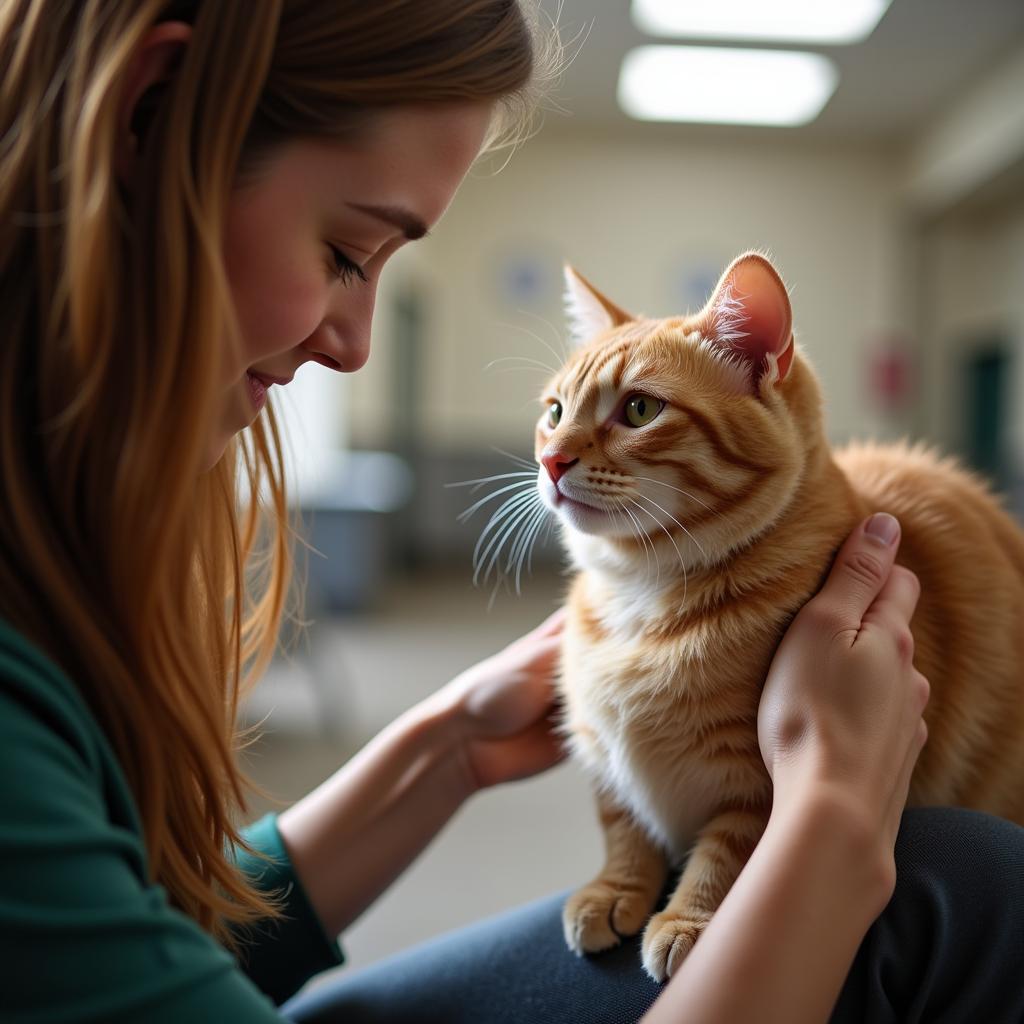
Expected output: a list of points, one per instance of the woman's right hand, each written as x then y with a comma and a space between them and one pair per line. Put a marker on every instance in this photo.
841, 713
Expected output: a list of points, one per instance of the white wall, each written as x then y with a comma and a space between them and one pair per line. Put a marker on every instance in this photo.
638, 220
973, 287
964, 180
972, 140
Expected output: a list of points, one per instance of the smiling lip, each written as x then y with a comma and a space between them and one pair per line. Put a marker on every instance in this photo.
260, 384
257, 390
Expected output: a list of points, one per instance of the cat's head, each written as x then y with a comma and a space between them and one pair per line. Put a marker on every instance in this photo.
687, 436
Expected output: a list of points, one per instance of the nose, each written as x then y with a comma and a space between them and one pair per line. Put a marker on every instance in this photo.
344, 335
557, 465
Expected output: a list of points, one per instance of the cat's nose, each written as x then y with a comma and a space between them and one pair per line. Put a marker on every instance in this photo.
557, 465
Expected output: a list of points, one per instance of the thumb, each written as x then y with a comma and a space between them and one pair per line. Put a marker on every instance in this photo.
861, 568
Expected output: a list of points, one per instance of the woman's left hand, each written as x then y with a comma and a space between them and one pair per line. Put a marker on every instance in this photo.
504, 707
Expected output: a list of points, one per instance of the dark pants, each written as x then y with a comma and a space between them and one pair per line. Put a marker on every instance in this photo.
949, 949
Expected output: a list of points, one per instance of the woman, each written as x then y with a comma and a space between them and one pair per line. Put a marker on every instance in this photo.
196, 198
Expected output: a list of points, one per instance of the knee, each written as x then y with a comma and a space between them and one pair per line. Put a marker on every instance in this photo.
956, 835
961, 862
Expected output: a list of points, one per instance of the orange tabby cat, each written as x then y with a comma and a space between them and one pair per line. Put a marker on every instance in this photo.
702, 506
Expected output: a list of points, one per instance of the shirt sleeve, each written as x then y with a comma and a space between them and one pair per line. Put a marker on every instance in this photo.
281, 955
83, 935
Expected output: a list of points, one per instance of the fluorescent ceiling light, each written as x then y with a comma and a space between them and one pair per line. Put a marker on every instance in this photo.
715, 85
798, 21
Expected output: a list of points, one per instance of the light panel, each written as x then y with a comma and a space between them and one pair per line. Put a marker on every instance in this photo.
715, 85
795, 21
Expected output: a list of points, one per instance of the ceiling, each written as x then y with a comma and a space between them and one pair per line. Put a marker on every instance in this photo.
919, 57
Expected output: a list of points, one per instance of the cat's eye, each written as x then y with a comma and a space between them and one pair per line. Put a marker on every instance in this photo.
554, 414
641, 409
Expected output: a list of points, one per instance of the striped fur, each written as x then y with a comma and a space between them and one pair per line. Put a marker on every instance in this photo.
716, 522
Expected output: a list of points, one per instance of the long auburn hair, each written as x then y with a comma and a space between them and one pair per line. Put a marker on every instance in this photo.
143, 575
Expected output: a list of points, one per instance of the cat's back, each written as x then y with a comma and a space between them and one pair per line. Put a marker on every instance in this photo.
968, 553
946, 512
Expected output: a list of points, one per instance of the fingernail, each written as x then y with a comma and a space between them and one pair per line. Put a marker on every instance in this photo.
883, 527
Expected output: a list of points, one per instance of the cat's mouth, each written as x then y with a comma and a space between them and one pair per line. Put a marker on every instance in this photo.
577, 511
574, 507
563, 500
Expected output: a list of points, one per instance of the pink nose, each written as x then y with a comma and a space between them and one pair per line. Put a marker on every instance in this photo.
557, 465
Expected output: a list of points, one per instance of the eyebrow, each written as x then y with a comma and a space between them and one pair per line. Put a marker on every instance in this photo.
409, 224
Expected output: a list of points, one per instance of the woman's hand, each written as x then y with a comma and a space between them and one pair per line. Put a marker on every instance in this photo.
840, 729
357, 832
504, 705
840, 717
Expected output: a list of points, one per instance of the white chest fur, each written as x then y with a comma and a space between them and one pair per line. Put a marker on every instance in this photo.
632, 733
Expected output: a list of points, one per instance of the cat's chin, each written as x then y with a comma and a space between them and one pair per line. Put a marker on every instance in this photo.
594, 522
578, 517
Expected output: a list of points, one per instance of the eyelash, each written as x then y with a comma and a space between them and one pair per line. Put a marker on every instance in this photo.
344, 269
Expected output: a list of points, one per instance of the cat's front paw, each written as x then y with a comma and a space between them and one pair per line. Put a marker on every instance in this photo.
667, 940
600, 914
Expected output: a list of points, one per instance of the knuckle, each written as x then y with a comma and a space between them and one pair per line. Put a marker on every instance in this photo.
908, 576
905, 644
864, 568
924, 689
820, 618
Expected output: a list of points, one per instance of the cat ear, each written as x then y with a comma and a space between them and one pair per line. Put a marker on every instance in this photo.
750, 316
589, 313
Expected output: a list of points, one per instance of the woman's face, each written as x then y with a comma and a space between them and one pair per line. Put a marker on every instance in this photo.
305, 243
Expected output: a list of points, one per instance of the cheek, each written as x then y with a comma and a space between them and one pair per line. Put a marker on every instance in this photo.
279, 287
279, 306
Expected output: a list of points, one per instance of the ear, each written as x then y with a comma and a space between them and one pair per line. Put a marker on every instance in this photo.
589, 313
750, 316
152, 63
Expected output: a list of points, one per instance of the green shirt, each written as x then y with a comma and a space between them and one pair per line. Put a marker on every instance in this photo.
83, 935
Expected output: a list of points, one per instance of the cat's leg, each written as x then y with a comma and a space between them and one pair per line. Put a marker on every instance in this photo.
618, 901
722, 848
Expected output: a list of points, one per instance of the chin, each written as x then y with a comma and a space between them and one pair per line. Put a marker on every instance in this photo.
214, 453
578, 517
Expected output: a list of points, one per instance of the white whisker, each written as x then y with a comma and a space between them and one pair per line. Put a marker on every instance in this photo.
529, 534
518, 485
526, 522
654, 548
498, 541
529, 463
692, 497
552, 521
542, 538
527, 361
502, 511
646, 541
679, 555
482, 571
618, 512
487, 479
561, 357
676, 521
513, 508
497, 545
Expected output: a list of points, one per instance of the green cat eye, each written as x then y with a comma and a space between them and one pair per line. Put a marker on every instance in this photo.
554, 413
641, 409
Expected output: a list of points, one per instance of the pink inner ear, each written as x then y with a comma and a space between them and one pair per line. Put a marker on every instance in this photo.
751, 315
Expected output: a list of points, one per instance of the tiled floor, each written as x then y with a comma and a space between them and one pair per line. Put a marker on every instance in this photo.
506, 846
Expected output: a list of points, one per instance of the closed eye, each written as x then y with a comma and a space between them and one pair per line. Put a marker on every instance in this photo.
345, 269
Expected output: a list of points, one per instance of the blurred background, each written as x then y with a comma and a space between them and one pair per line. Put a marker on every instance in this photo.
888, 187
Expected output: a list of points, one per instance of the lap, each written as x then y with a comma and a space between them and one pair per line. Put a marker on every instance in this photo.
513, 967
949, 947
